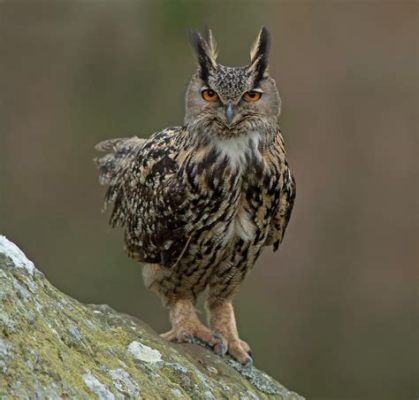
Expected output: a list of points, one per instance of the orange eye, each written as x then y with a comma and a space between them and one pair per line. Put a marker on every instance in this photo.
209, 95
252, 96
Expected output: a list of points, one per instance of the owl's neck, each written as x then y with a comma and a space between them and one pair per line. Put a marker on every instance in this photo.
236, 152
240, 150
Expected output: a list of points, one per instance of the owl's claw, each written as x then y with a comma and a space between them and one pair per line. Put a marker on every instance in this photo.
236, 348
186, 337
220, 348
249, 362
239, 350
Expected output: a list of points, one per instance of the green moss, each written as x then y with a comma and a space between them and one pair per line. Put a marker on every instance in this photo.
56, 347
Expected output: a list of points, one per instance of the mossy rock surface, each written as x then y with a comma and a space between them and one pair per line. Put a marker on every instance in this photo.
53, 347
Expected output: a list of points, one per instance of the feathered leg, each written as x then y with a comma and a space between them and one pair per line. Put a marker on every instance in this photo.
221, 316
223, 285
223, 322
186, 326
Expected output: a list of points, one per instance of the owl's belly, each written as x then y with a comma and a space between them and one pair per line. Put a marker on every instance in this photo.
251, 219
244, 225
241, 226
246, 218
233, 239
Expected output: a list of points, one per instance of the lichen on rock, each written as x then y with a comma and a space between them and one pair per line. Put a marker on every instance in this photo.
53, 347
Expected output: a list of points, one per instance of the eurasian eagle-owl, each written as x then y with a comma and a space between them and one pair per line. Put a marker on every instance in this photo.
200, 201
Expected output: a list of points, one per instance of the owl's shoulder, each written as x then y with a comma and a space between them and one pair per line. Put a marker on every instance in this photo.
130, 161
156, 157
146, 196
162, 143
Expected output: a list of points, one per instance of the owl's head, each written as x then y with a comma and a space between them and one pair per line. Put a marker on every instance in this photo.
229, 101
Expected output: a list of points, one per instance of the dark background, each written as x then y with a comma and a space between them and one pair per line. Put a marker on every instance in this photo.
333, 314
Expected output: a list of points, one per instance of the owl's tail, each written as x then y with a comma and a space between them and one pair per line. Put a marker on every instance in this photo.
121, 153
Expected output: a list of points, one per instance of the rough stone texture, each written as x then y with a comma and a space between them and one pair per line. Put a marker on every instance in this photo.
53, 347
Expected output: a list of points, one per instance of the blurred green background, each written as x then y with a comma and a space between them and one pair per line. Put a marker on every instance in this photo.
333, 314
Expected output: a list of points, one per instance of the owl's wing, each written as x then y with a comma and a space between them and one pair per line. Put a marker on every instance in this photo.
281, 218
147, 197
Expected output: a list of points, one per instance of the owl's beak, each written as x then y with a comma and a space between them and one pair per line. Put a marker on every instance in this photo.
229, 114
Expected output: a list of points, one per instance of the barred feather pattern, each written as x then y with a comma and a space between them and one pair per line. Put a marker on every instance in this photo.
146, 195
184, 205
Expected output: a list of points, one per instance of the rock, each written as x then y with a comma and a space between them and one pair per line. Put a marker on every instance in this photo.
53, 347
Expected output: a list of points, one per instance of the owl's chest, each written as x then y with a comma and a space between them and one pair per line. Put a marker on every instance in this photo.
232, 205
230, 190
252, 212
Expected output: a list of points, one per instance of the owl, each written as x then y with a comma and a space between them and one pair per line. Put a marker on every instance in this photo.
199, 202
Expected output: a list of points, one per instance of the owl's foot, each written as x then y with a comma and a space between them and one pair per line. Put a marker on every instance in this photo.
223, 322
186, 327
191, 333
237, 348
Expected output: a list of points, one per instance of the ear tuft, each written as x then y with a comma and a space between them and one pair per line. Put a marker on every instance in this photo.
212, 45
206, 51
259, 53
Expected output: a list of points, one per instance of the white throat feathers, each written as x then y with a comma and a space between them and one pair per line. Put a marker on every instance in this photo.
238, 149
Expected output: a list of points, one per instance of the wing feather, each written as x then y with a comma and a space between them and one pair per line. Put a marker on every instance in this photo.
281, 218
146, 195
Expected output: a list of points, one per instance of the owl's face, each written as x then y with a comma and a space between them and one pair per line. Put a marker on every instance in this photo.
229, 101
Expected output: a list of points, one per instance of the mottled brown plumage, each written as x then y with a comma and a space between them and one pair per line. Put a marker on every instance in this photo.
199, 202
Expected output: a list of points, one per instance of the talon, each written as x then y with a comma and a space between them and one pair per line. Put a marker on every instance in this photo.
218, 336
186, 337
236, 350
248, 363
216, 339
220, 348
